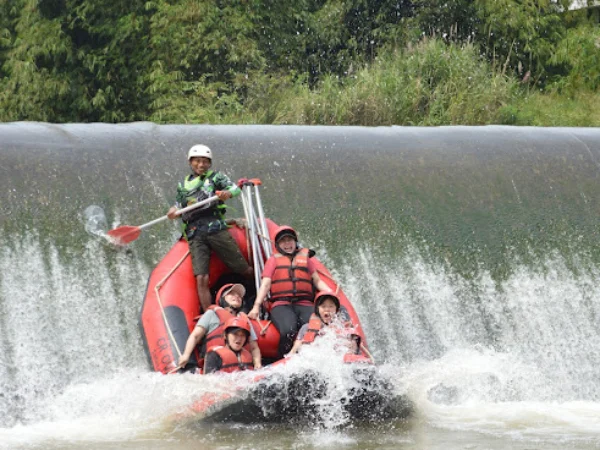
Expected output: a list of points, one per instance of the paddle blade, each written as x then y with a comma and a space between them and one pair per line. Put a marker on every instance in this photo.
124, 235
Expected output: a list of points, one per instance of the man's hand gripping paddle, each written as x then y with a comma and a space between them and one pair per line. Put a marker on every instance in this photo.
125, 234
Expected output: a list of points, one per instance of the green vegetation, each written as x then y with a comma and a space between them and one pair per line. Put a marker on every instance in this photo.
553, 110
330, 62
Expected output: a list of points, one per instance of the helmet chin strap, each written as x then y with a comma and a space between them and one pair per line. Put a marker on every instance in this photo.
225, 304
234, 310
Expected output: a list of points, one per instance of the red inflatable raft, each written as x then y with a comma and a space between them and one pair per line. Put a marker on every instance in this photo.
171, 305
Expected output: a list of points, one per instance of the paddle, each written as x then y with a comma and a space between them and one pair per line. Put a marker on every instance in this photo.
126, 233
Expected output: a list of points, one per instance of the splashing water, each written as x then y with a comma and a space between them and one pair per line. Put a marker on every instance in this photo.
484, 311
95, 221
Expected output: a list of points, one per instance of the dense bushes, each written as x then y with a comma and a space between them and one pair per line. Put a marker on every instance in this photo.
360, 62
430, 84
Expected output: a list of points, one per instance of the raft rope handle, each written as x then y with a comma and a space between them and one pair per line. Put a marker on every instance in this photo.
263, 330
368, 353
338, 286
162, 309
266, 238
172, 371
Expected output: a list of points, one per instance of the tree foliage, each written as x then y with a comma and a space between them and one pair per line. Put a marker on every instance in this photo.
453, 20
214, 60
516, 36
520, 34
579, 56
74, 60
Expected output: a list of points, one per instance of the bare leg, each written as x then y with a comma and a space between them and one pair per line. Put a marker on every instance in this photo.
203, 292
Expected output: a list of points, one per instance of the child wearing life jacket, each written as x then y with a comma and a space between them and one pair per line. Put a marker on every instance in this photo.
327, 306
212, 324
231, 357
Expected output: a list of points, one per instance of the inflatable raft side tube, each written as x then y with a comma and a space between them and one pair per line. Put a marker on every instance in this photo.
141, 325
179, 326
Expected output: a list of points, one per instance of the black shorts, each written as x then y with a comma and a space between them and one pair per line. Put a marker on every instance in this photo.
224, 246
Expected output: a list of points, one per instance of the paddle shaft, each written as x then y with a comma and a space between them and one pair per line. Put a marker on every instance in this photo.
180, 212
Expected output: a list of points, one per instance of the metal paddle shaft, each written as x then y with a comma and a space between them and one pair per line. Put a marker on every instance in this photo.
127, 233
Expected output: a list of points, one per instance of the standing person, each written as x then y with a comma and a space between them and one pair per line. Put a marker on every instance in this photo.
232, 356
205, 228
289, 276
212, 324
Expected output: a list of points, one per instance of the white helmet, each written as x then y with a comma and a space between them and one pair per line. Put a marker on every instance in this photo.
199, 150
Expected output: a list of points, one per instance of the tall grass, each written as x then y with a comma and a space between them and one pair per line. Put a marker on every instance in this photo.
553, 109
432, 83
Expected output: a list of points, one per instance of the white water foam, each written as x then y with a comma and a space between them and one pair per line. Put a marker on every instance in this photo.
485, 391
517, 359
135, 404
64, 323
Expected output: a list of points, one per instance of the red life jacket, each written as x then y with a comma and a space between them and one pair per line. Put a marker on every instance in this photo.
233, 362
315, 324
291, 280
215, 338
357, 358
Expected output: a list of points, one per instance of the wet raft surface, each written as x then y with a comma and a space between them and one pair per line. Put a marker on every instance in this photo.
296, 399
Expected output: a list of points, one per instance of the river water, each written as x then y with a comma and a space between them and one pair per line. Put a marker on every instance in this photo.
471, 255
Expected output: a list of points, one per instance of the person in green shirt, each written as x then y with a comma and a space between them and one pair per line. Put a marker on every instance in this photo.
205, 227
